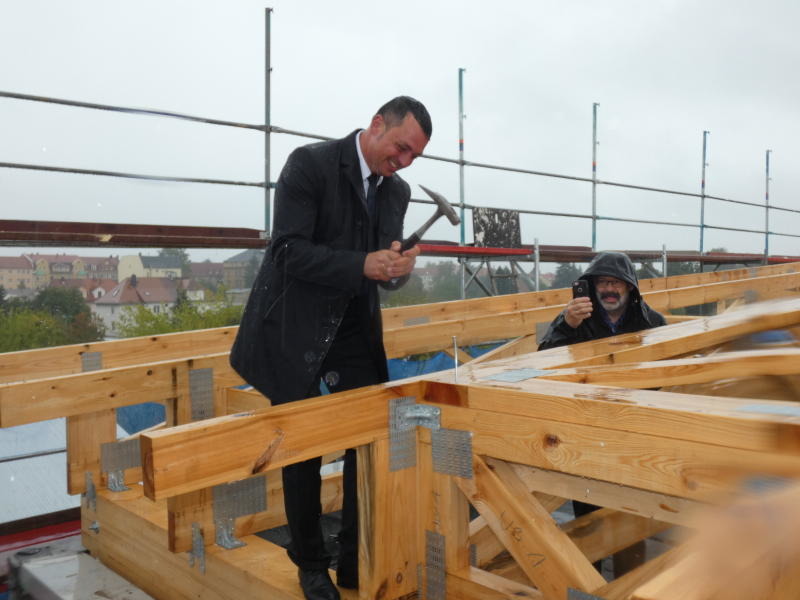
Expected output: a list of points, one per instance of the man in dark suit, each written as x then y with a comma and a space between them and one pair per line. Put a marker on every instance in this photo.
313, 316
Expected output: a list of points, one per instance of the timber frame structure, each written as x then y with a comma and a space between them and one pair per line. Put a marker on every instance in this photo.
513, 434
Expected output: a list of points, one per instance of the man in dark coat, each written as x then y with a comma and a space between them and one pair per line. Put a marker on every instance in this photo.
613, 306
313, 322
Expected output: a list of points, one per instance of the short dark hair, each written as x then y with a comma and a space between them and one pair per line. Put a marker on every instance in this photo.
396, 109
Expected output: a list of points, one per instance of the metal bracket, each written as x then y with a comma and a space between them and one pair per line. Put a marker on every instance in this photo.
452, 452
435, 580
91, 492
201, 393
451, 448
232, 500
91, 361
198, 552
115, 457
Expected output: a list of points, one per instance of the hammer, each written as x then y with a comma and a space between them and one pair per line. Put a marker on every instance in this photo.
443, 207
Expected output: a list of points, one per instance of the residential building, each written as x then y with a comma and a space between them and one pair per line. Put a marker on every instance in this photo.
240, 270
50, 267
149, 266
208, 273
17, 272
155, 293
90, 289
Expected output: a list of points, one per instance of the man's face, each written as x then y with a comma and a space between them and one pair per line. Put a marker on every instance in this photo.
612, 293
389, 149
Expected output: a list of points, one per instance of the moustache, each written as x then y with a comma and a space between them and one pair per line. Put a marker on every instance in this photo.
606, 295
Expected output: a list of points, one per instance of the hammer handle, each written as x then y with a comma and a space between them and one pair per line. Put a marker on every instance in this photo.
409, 242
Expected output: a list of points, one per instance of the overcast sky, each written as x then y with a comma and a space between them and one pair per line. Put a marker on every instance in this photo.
662, 72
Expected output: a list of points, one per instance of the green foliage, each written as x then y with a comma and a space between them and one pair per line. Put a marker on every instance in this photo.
56, 316
566, 273
184, 316
25, 329
64, 303
412, 292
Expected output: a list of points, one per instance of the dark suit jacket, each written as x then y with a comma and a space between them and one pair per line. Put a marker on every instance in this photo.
313, 268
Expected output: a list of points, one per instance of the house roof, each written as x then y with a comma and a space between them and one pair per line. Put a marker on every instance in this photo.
54, 258
16, 262
161, 262
100, 260
246, 256
141, 290
86, 284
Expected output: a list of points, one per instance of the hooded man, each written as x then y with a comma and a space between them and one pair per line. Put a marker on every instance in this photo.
613, 306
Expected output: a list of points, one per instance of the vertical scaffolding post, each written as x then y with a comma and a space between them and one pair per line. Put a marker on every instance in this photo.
461, 168
267, 122
594, 175
766, 212
703, 194
664, 259
536, 264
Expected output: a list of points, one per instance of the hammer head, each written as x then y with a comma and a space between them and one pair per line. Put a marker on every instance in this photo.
444, 206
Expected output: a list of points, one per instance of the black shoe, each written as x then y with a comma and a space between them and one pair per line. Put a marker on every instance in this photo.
317, 585
347, 579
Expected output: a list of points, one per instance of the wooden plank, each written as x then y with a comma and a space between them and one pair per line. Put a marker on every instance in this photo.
543, 551
388, 536
603, 532
69, 395
735, 422
649, 505
64, 360
85, 434
623, 587
681, 468
747, 550
476, 584
188, 457
783, 361
244, 400
197, 507
520, 345
132, 541
504, 325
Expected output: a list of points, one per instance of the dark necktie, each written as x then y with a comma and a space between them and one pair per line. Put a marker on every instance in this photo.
372, 192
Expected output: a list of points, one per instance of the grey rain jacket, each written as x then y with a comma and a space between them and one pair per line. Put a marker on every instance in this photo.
638, 316
313, 268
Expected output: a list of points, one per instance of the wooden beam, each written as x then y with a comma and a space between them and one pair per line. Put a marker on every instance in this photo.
603, 532
543, 551
388, 536
197, 507
747, 550
406, 340
623, 587
735, 422
648, 505
85, 434
71, 395
188, 457
728, 365
65, 360
666, 465
476, 584
132, 541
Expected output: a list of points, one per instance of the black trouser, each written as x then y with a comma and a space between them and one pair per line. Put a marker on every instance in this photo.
345, 367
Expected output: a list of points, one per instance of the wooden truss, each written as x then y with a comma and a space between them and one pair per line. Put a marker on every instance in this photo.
512, 435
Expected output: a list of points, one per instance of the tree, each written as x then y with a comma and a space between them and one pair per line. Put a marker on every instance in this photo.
140, 320
566, 273
64, 303
412, 292
25, 329
182, 255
